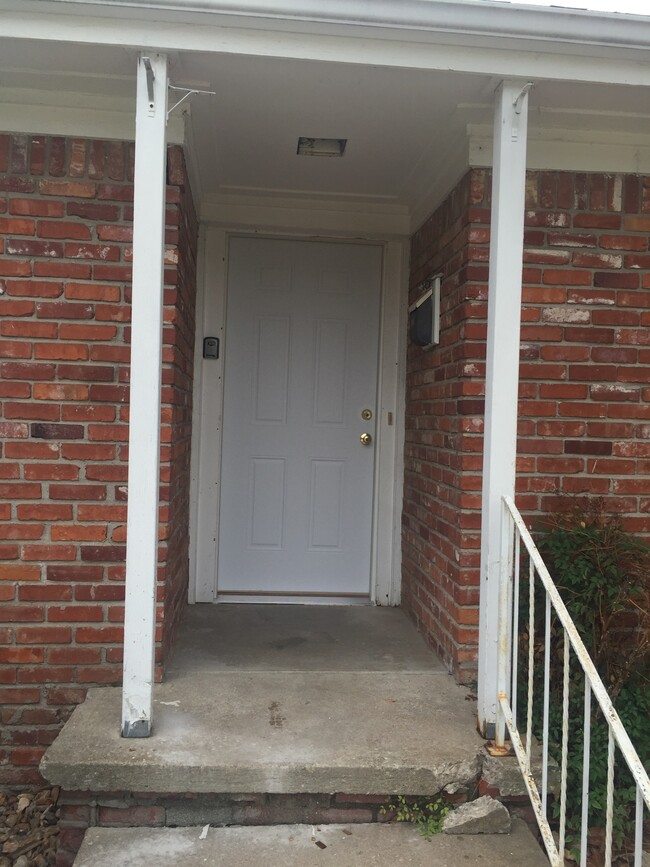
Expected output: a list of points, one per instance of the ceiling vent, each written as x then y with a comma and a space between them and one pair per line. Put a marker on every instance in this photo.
321, 147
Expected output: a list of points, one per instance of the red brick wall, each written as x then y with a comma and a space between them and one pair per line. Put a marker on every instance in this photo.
586, 354
178, 372
65, 254
584, 408
440, 523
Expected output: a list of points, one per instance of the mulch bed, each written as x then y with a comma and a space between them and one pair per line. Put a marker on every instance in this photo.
28, 828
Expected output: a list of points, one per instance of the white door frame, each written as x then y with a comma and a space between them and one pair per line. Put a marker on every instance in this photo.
385, 583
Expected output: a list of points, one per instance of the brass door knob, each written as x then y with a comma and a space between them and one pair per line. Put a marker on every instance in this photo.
366, 439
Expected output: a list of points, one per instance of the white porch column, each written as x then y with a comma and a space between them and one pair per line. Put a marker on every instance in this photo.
144, 426
502, 375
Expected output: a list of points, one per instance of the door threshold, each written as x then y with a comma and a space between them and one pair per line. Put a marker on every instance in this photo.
293, 599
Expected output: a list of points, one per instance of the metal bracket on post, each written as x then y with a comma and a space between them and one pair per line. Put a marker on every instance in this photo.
151, 76
518, 102
187, 91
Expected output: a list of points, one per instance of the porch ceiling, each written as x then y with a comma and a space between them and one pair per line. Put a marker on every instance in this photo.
407, 129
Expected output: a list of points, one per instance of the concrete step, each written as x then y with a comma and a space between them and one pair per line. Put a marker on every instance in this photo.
305, 846
277, 732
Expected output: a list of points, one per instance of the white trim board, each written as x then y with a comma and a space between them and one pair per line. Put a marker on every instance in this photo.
308, 218
71, 114
572, 150
208, 412
208, 398
195, 454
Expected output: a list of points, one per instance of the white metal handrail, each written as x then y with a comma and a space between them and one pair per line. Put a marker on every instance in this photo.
516, 534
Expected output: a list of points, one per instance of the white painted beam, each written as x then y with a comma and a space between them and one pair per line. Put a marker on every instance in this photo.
144, 425
502, 374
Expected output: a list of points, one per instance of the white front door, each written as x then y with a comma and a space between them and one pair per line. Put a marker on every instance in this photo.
301, 359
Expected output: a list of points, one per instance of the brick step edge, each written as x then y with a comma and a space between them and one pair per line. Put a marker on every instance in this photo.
82, 810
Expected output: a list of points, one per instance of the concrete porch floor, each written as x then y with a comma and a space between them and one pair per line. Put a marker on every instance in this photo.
283, 699
219, 638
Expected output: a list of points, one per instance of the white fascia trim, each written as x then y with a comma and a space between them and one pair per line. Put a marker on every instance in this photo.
472, 17
399, 48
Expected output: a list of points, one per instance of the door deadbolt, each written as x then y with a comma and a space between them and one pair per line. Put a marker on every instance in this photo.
365, 439
366, 414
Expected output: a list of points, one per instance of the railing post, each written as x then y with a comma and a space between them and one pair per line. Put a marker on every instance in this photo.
144, 424
504, 643
502, 382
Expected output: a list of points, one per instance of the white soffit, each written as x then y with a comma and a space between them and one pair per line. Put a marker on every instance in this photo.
400, 126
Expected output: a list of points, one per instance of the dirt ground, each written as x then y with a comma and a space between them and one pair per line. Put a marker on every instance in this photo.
28, 828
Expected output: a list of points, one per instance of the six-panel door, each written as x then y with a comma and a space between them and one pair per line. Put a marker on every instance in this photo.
302, 331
